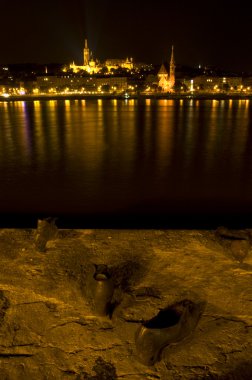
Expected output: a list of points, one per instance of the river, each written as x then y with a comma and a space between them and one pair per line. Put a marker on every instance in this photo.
127, 163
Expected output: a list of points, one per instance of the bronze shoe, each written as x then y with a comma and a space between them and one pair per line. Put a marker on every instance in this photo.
170, 325
100, 289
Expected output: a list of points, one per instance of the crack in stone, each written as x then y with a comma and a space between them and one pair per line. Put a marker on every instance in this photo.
233, 351
202, 367
138, 374
217, 317
77, 321
68, 371
29, 303
12, 354
25, 345
133, 320
75, 352
103, 349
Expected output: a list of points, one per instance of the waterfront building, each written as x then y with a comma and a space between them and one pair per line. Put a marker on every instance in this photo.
114, 84
54, 83
166, 80
66, 83
214, 83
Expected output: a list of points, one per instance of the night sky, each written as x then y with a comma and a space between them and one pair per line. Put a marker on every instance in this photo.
203, 32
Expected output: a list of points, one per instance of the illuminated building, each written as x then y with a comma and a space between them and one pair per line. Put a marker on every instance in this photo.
92, 66
118, 84
214, 83
116, 63
89, 64
166, 81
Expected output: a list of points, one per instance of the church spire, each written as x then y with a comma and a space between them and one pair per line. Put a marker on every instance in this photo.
172, 62
86, 53
172, 68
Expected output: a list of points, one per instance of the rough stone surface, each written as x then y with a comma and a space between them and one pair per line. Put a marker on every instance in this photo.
48, 330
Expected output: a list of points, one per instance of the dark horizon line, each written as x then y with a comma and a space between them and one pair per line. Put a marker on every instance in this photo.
181, 221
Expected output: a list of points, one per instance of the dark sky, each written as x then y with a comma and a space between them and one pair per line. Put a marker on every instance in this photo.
207, 32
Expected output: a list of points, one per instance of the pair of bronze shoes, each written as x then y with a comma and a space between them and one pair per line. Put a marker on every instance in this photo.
170, 325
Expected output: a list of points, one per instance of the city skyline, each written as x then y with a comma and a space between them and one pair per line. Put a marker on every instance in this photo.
54, 32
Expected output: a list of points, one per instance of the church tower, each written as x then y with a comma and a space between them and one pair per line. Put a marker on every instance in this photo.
86, 54
163, 78
172, 69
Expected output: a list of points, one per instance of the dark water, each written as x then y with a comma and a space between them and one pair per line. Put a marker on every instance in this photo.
127, 163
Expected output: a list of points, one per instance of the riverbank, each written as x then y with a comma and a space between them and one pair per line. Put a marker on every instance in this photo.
48, 328
186, 96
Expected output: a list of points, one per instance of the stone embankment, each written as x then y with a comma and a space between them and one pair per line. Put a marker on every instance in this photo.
48, 329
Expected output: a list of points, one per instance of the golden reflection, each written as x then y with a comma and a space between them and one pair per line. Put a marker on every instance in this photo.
83, 102
38, 124
36, 104
84, 140
147, 102
181, 102
99, 104
67, 104
164, 124
53, 104
189, 121
212, 134
166, 102
26, 138
115, 102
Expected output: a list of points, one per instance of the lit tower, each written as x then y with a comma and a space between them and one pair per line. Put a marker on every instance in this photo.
163, 79
86, 54
172, 69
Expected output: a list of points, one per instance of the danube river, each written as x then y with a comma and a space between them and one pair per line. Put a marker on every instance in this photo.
152, 162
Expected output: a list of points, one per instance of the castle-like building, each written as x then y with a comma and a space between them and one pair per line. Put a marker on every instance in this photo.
93, 66
89, 64
166, 81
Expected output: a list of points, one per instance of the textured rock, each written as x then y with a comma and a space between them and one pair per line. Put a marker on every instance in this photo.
48, 329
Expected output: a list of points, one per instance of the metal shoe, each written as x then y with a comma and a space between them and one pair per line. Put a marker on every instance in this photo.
100, 289
170, 325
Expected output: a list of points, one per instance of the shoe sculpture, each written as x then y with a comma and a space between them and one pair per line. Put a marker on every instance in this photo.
170, 325
100, 289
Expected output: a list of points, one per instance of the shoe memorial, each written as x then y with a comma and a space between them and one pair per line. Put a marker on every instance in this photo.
170, 325
100, 289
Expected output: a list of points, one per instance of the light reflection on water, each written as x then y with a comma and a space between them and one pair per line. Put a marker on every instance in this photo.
120, 155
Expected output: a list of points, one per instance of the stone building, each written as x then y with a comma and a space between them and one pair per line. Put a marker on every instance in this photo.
93, 66
90, 65
166, 80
